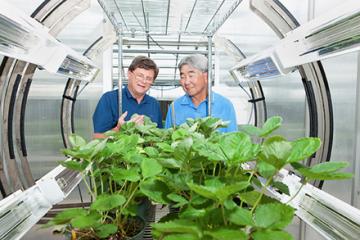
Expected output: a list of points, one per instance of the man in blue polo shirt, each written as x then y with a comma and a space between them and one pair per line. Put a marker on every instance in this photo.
194, 80
141, 75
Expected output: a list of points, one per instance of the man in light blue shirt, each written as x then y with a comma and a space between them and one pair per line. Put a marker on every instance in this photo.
194, 80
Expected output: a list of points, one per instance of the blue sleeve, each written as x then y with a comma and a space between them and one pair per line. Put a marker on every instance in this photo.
103, 118
168, 121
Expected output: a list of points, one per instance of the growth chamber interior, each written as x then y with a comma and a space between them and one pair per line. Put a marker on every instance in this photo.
299, 60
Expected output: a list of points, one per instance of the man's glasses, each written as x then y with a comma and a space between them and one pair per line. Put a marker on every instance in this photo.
141, 77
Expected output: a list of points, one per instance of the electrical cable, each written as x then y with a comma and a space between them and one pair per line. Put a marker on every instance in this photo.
250, 97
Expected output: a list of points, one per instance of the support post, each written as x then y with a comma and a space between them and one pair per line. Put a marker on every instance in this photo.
120, 75
210, 75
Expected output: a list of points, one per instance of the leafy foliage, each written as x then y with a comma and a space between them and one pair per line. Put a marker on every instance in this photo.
218, 197
216, 180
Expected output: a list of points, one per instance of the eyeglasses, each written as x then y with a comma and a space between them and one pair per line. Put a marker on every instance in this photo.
141, 77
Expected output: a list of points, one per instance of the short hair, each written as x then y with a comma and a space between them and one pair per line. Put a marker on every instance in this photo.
145, 63
197, 61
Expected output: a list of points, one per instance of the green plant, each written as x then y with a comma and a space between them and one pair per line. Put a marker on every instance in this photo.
112, 170
218, 181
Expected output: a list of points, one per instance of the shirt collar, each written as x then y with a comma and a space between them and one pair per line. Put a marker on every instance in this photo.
187, 100
129, 96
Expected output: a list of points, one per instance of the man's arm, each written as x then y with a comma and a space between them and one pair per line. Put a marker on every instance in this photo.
139, 119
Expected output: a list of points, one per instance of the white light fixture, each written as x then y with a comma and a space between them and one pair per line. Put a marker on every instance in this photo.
332, 34
23, 38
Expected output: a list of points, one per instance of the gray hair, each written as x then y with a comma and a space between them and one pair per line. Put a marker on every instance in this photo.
197, 61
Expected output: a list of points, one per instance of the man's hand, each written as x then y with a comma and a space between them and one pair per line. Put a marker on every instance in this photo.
138, 119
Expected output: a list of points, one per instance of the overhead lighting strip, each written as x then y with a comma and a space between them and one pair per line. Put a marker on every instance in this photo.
329, 35
23, 38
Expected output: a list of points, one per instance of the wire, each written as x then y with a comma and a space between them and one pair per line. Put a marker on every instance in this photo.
250, 97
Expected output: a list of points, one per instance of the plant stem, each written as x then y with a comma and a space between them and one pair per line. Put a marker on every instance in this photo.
101, 184
251, 175
93, 180
87, 185
261, 194
223, 214
237, 169
130, 197
202, 170
110, 185
297, 192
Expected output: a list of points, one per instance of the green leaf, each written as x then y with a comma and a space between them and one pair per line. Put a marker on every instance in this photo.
169, 162
241, 216
107, 202
75, 165
282, 187
180, 200
181, 237
251, 130
273, 215
66, 216
150, 167
83, 151
144, 129
120, 175
151, 152
251, 197
324, 176
303, 148
99, 147
227, 234
270, 125
209, 150
230, 204
323, 171
271, 235
178, 226
198, 200
218, 191
265, 169
182, 149
165, 147
88, 221
208, 125
106, 230
133, 157
238, 147
179, 134
208, 192
224, 192
178, 181
155, 190
275, 151
76, 141
328, 167
192, 213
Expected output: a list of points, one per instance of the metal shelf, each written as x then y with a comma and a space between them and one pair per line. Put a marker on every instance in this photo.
165, 17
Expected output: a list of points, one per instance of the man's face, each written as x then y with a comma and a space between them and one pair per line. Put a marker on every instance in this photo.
140, 80
193, 81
